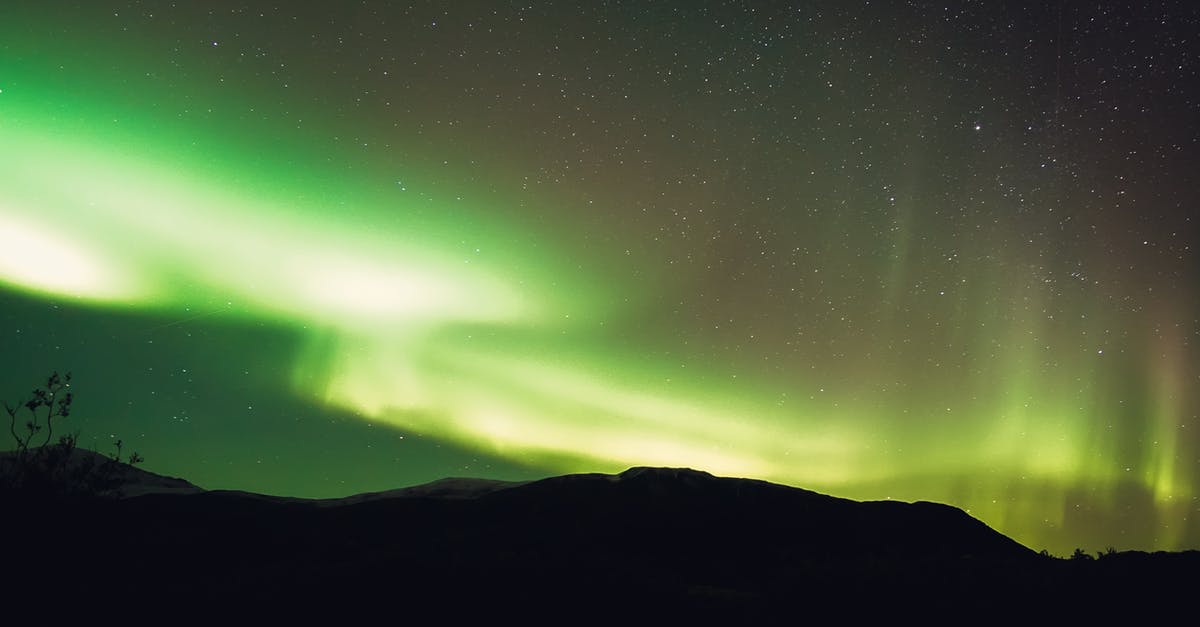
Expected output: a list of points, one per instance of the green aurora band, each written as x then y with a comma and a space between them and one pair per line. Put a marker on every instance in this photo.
452, 317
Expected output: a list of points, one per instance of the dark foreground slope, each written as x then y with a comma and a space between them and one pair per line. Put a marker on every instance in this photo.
650, 543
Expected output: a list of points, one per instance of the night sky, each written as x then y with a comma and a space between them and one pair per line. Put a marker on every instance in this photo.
881, 250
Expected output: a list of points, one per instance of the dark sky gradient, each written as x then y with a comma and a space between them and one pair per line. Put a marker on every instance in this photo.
878, 249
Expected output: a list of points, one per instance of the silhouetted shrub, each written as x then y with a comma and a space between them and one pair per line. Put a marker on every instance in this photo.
38, 468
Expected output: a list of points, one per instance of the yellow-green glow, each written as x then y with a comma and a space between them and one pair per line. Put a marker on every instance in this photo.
882, 301
124, 232
113, 223
45, 259
553, 411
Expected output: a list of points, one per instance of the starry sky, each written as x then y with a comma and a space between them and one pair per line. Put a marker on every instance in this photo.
907, 250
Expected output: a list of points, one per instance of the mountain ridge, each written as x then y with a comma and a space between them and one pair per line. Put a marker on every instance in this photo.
668, 543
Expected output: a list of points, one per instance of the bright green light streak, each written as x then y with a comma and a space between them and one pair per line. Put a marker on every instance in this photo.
552, 411
46, 260
382, 296
129, 233
99, 219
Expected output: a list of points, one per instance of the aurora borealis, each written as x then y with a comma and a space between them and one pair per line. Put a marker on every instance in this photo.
881, 250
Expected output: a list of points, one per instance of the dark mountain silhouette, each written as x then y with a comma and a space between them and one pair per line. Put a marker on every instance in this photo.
655, 543
126, 480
